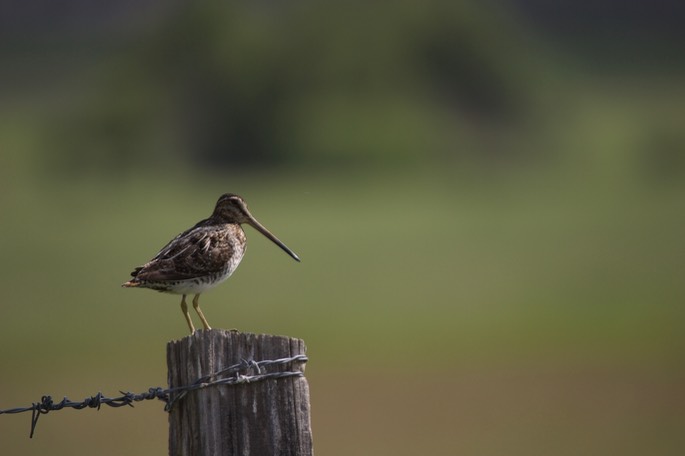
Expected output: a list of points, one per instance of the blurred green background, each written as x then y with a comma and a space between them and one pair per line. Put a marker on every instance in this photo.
488, 200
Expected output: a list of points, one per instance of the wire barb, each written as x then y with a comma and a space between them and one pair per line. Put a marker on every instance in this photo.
247, 371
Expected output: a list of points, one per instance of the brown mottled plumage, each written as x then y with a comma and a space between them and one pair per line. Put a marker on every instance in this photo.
203, 256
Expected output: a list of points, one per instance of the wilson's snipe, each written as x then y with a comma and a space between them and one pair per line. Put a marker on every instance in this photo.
203, 256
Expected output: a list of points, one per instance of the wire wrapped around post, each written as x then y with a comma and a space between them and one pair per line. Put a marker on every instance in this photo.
264, 412
246, 371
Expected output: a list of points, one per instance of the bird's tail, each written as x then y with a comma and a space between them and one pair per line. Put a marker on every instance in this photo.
134, 281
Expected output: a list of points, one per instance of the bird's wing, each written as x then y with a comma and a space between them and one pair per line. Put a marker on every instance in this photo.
200, 251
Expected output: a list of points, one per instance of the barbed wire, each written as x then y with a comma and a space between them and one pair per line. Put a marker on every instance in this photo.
233, 375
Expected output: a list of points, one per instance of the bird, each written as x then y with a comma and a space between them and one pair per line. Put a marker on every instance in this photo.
203, 256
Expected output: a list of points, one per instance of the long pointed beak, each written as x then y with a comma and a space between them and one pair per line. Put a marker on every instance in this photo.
259, 227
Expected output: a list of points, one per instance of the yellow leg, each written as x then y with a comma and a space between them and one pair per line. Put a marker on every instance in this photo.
184, 309
196, 305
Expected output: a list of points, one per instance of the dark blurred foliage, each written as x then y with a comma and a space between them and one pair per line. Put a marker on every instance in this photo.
346, 83
614, 34
263, 83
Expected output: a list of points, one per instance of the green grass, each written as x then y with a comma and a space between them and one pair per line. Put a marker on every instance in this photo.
398, 270
452, 264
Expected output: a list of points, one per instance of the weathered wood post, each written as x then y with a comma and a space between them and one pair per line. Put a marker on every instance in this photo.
264, 417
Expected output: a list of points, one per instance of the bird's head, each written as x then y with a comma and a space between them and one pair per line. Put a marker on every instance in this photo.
232, 208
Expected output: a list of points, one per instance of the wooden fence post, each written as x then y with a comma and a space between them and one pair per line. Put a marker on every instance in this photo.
269, 417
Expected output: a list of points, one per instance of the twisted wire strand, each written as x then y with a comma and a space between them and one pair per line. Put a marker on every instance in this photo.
236, 374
